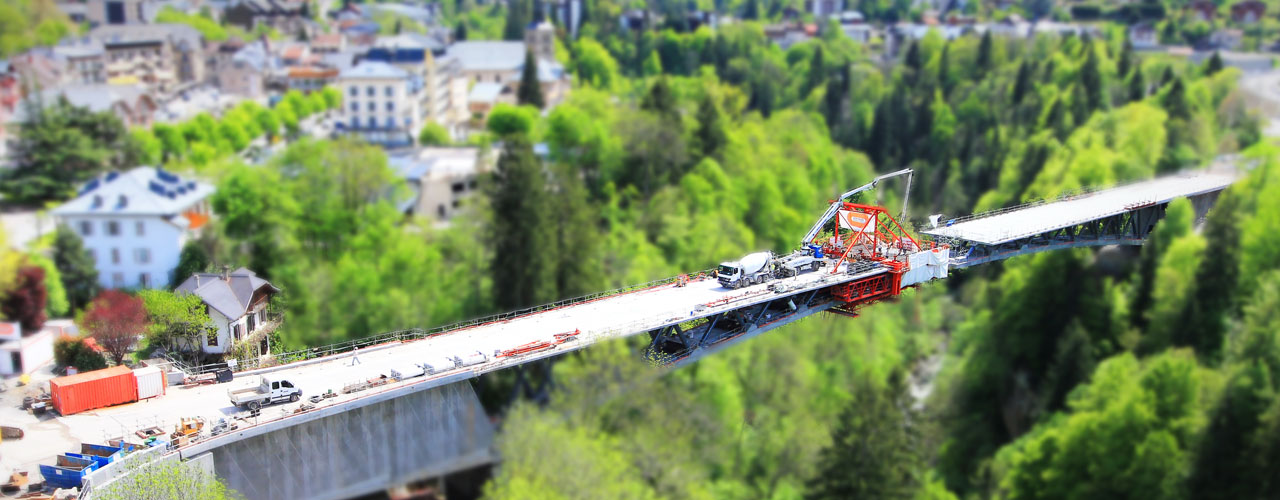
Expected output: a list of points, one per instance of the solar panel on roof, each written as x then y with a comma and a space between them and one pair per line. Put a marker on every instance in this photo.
111, 176
155, 187
90, 186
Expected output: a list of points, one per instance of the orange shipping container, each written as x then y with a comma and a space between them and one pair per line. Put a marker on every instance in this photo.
96, 389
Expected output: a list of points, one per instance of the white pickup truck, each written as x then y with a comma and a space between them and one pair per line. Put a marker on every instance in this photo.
271, 390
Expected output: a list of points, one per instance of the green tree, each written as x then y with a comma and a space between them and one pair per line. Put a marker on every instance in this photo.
192, 259
523, 262
986, 49
875, 450
1091, 77
166, 479
434, 134
75, 267
529, 93
710, 135
817, 71
594, 64
460, 32
56, 305
1214, 65
178, 321
506, 119
1137, 86
518, 17
60, 147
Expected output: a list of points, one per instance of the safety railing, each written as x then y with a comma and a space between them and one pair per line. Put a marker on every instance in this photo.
419, 333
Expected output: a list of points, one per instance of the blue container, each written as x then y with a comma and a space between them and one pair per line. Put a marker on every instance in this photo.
100, 454
68, 472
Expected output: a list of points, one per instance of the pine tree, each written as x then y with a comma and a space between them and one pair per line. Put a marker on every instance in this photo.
944, 69
817, 71
76, 267
912, 59
1204, 322
460, 32
1137, 87
1167, 76
752, 10
874, 451
660, 100
985, 49
523, 259
1091, 76
193, 259
1022, 84
1126, 60
1175, 101
577, 252
530, 90
710, 135
1214, 65
517, 20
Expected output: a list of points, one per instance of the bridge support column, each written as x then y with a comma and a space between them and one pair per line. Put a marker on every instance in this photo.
362, 450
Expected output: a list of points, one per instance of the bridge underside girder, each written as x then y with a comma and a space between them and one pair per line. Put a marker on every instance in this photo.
675, 343
1128, 228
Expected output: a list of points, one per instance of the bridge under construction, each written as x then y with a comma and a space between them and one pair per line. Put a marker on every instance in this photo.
865, 256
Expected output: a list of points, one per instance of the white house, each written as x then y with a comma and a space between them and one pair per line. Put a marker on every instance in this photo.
383, 103
237, 303
135, 223
1143, 36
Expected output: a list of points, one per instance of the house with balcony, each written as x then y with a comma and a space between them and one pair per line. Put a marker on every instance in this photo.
238, 303
164, 57
134, 224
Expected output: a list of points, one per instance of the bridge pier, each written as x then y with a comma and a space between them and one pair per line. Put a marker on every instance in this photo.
424, 434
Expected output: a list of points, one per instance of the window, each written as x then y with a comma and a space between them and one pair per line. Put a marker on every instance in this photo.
389, 91
391, 123
144, 280
117, 280
355, 123
391, 106
142, 255
355, 106
211, 338
113, 228
275, 386
115, 255
459, 187
86, 228
286, 384
235, 330
373, 122
93, 254
373, 106
369, 91
141, 227
353, 91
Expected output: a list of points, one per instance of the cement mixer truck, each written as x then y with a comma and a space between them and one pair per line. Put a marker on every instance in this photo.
760, 267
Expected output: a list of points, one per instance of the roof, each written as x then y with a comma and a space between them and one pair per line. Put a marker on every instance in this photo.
409, 41
96, 97
485, 92
1037, 219
141, 191
436, 162
327, 40
231, 296
489, 55
253, 55
375, 69
312, 72
180, 35
114, 371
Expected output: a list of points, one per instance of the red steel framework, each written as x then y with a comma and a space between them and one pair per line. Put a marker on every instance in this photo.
872, 242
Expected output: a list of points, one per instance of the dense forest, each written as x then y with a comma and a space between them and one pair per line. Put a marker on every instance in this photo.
1114, 372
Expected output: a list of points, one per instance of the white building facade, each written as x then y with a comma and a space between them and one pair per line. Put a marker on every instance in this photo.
134, 224
382, 103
